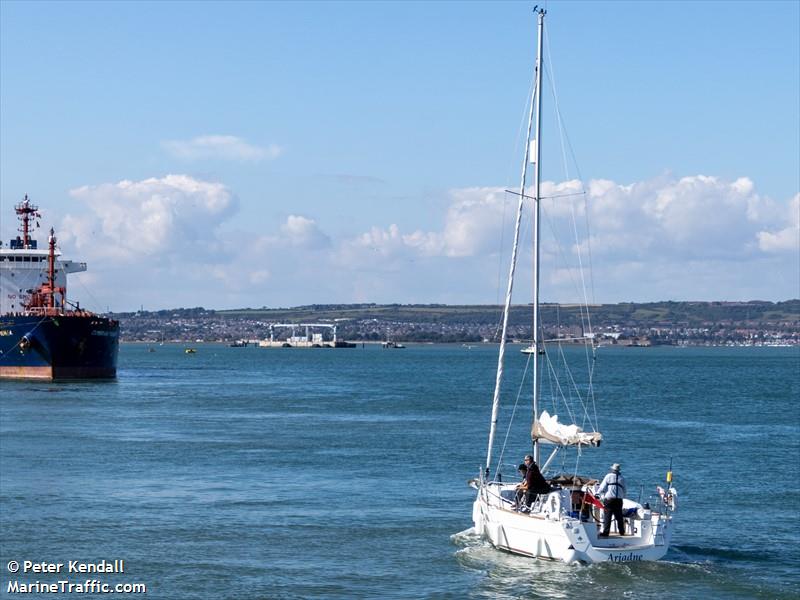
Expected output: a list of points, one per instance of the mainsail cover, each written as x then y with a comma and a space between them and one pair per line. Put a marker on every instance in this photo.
547, 429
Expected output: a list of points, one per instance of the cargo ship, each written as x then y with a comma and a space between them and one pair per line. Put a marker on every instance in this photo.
42, 334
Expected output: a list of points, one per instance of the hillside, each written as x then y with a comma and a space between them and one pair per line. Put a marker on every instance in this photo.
711, 323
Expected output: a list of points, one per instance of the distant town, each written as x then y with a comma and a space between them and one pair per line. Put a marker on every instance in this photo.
755, 323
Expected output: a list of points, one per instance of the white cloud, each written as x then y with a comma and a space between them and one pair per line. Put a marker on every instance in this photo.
222, 147
174, 241
376, 248
174, 216
786, 239
665, 238
471, 225
304, 232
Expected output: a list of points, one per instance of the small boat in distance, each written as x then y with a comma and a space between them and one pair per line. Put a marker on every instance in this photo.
562, 521
531, 350
190, 351
389, 344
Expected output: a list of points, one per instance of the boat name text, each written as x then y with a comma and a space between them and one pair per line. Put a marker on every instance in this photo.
625, 557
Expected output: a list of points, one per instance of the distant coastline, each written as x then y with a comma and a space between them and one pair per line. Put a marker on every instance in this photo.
754, 323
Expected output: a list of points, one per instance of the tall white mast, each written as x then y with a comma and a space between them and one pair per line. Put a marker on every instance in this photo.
537, 173
515, 248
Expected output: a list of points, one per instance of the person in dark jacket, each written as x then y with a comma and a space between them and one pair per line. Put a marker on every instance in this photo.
534, 483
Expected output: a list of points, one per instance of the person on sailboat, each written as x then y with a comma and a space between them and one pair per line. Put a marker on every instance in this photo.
611, 492
534, 483
523, 471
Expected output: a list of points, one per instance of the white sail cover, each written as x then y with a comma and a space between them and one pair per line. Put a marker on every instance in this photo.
547, 429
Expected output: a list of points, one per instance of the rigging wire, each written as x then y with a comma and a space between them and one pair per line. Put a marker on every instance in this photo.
563, 358
564, 137
559, 387
97, 303
554, 376
520, 130
513, 412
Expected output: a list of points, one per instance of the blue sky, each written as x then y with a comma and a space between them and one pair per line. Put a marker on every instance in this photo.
249, 154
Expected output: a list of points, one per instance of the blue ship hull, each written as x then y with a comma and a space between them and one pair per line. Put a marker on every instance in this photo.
58, 347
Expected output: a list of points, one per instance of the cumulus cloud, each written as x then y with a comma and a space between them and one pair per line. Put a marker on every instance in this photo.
221, 147
376, 248
704, 231
697, 237
692, 218
302, 231
471, 225
166, 217
786, 239
250, 264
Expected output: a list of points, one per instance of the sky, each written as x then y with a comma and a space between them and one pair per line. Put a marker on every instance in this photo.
278, 154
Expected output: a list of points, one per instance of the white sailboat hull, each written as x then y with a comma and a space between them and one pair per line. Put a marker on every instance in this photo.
552, 533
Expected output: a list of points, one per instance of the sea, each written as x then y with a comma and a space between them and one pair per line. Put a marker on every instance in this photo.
318, 473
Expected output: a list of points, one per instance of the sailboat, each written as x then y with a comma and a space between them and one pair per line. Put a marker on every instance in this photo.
563, 524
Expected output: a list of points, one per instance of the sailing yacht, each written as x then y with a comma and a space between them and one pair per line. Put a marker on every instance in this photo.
565, 523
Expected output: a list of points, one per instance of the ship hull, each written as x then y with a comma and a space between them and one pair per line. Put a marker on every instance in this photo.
58, 347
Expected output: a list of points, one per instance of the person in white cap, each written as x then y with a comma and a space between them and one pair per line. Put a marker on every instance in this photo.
611, 492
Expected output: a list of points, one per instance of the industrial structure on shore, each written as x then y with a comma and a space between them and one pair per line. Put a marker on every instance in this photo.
306, 339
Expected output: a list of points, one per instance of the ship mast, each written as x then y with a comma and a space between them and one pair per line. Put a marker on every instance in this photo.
535, 106
537, 172
43, 299
25, 210
51, 273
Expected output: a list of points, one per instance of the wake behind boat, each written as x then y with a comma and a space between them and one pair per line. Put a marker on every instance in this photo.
561, 519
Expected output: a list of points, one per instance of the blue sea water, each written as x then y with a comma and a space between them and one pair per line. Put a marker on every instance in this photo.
255, 473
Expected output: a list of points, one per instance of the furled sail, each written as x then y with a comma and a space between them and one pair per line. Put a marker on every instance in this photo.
547, 429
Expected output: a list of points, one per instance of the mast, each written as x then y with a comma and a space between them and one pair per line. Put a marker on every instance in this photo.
537, 173
25, 210
51, 271
515, 248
